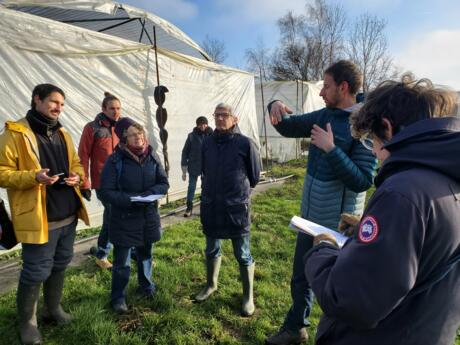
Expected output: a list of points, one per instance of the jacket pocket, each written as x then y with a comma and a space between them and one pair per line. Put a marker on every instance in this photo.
238, 215
206, 213
24, 205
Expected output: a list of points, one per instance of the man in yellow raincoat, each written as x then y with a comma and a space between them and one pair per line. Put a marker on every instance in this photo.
41, 171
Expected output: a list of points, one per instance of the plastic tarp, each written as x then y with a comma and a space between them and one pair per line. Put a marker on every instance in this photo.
300, 97
84, 64
106, 6
94, 14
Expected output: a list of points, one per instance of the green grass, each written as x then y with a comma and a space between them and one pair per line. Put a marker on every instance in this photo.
172, 317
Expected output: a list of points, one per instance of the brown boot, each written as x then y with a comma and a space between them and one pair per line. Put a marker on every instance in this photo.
27, 300
104, 263
52, 292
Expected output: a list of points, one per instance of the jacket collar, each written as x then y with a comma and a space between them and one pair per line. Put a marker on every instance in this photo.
103, 120
223, 136
22, 126
39, 124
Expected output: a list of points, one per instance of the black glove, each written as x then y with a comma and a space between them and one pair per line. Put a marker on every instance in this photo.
86, 193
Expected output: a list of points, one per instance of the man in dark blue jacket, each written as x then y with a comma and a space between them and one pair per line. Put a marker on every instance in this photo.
397, 280
230, 168
191, 159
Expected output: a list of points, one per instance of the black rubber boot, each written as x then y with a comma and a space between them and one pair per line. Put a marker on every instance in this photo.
52, 292
27, 300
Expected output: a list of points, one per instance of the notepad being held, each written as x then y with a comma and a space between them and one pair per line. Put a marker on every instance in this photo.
307, 227
147, 199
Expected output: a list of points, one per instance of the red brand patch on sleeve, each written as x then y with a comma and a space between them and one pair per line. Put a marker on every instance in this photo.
368, 230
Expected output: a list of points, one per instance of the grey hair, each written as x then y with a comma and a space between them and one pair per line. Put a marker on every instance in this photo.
226, 107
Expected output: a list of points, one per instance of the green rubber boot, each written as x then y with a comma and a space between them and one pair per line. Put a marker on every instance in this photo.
212, 274
247, 278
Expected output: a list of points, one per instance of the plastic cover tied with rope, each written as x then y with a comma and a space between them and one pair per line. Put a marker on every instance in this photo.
162, 117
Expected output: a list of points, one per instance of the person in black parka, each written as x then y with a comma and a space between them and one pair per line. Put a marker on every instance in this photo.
396, 281
191, 159
132, 170
230, 168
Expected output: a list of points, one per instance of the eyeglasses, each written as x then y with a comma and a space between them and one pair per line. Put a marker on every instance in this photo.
222, 115
367, 141
137, 134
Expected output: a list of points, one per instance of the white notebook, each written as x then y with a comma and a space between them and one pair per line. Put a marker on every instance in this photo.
307, 227
148, 198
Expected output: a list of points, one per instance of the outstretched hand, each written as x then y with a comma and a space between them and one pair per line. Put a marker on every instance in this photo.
277, 111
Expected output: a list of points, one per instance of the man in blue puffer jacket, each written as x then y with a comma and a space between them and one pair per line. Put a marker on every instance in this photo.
339, 172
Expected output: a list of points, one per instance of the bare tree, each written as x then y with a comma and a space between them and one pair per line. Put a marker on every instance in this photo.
368, 48
309, 43
258, 60
215, 49
289, 57
326, 29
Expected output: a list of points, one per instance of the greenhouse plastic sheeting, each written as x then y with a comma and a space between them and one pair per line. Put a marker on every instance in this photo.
300, 97
91, 15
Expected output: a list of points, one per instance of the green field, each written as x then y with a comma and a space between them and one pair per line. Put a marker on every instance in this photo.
171, 317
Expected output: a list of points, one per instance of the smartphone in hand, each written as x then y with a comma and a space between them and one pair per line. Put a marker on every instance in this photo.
61, 178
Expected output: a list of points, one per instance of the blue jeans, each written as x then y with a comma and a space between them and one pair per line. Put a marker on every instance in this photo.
240, 249
191, 189
121, 271
301, 292
103, 243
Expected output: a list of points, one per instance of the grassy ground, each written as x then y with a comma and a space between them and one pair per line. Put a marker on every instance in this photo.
171, 317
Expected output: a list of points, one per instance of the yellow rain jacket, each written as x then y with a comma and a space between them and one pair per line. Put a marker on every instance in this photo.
19, 163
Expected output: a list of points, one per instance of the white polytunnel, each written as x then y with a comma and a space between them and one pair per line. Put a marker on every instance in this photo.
300, 97
39, 48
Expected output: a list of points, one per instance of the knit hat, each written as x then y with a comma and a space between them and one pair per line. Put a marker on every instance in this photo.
201, 121
122, 126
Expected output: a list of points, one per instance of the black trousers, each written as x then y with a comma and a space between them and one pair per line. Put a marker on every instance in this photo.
39, 260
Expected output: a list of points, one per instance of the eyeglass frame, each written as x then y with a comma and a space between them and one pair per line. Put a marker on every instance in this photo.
221, 115
136, 134
367, 141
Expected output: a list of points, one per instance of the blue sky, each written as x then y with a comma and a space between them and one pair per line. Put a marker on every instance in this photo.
423, 35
